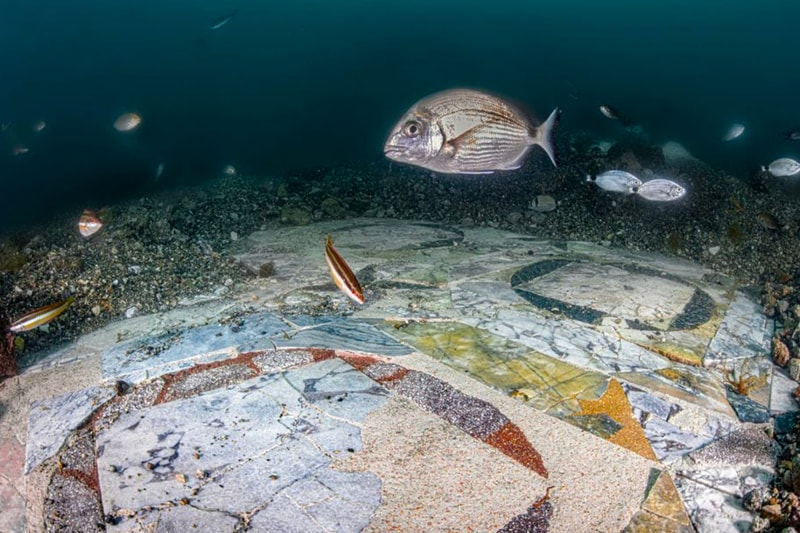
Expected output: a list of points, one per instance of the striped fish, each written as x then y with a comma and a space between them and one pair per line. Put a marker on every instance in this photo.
341, 273
41, 316
464, 131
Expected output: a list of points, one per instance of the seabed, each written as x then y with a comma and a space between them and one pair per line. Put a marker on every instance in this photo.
491, 382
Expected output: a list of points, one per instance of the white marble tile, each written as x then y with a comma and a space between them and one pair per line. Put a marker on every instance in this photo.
712, 510
51, 420
744, 333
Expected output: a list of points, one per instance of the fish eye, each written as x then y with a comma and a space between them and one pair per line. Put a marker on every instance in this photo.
412, 128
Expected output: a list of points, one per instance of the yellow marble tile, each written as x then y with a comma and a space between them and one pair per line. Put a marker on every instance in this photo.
665, 501
676, 352
545, 382
615, 404
644, 522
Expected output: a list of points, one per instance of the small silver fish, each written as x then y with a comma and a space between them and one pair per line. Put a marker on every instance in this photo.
220, 22
733, 132
782, 167
661, 190
614, 114
159, 172
127, 122
792, 135
464, 131
616, 181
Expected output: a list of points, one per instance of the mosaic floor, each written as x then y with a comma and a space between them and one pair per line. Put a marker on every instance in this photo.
491, 382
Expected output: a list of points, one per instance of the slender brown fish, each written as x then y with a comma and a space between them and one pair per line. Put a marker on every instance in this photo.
41, 316
341, 273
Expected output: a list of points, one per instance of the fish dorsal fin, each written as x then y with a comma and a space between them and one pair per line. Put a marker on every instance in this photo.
452, 146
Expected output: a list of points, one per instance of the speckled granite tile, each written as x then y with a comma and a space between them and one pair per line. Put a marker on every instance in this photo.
53, 419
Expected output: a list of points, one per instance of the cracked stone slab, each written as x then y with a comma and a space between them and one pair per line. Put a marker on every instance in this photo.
52, 420
248, 448
342, 334
745, 333
150, 356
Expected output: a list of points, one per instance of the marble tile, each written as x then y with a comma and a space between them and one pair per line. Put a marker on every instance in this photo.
236, 450
614, 404
712, 510
341, 334
669, 442
52, 420
664, 500
147, 357
546, 383
613, 291
744, 333
567, 341
781, 399
746, 409
698, 386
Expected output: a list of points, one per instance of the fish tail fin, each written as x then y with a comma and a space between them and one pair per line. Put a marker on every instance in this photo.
544, 135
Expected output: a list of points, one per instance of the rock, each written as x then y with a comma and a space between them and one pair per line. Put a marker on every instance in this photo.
513, 217
543, 203
771, 512
234, 236
714, 250
8, 361
753, 500
794, 368
759, 524
780, 352
131, 312
295, 216
796, 473
96, 310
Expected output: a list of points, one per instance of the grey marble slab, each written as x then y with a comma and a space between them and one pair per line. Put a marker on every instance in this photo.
745, 333
145, 357
341, 334
52, 420
712, 510
240, 449
781, 398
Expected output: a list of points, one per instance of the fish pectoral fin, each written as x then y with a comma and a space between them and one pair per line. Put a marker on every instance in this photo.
452, 146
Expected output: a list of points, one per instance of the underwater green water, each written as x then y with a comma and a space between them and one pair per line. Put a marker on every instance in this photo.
287, 86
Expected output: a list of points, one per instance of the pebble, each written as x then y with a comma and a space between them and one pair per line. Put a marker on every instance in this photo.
794, 368
131, 312
96, 310
759, 524
234, 236
771, 512
714, 250
543, 203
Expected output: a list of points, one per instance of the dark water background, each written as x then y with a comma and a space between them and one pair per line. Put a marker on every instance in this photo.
286, 86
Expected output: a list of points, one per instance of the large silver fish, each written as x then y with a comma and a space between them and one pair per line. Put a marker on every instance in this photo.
661, 190
783, 167
464, 131
616, 181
